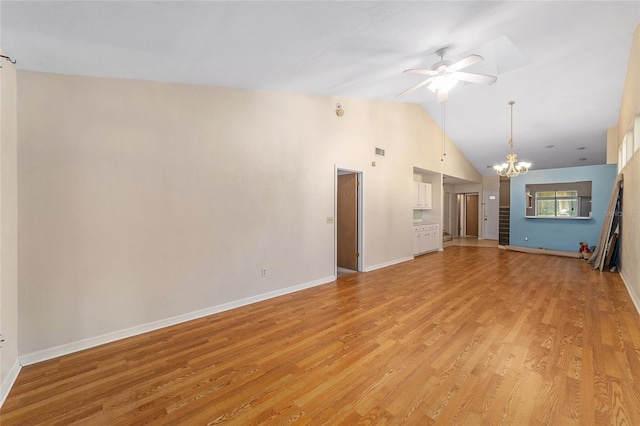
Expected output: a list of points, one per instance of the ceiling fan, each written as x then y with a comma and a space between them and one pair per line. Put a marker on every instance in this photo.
444, 75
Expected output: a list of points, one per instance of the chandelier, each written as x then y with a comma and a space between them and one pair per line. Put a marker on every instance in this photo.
511, 168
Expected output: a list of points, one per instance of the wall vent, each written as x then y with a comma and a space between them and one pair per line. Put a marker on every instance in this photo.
380, 151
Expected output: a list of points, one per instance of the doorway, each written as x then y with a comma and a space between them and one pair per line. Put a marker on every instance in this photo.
348, 221
468, 215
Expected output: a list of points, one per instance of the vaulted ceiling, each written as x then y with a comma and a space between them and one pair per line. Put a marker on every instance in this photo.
564, 63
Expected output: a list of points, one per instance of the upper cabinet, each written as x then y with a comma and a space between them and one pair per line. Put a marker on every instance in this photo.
421, 195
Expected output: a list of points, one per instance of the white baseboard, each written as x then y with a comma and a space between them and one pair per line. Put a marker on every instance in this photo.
91, 342
385, 264
634, 298
8, 382
531, 250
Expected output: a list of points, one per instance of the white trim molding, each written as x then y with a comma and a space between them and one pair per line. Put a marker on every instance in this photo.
634, 297
385, 264
91, 342
8, 382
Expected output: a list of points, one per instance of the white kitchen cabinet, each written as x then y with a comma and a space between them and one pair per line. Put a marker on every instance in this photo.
421, 195
416, 195
433, 242
425, 238
416, 239
427, 195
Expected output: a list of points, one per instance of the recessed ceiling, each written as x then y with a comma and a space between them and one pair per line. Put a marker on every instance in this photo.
564, 63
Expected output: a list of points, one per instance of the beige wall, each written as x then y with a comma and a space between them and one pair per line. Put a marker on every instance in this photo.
631, 97
630, 236
9, 366
143, 201
491, 183
612, 145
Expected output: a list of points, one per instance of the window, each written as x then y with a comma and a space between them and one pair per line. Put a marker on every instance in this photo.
557, 203
559, 200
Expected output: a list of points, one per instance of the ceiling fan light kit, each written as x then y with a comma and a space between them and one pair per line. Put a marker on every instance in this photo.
512, 168
444, 75
444, 82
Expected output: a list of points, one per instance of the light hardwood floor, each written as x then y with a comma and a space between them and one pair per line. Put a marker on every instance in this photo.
471, 335
470, 241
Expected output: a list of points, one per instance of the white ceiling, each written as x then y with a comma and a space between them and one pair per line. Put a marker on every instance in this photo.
564, 63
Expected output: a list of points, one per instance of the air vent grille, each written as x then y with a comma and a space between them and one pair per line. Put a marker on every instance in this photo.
380, 151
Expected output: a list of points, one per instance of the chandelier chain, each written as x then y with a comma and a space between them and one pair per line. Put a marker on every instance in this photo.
511, 138
511, 168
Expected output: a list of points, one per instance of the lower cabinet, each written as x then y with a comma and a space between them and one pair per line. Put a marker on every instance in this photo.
426, 238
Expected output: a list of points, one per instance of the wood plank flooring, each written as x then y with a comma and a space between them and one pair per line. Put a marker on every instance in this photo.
469, 336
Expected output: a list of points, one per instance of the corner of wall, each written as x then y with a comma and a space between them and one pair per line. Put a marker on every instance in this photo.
9, 365
9, 380
634, 297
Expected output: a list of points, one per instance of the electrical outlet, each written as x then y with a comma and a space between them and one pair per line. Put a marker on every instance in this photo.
264, 272
329, 220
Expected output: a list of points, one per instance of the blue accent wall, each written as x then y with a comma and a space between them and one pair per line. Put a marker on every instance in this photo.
561, 234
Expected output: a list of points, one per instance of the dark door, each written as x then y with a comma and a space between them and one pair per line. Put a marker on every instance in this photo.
471, 216
347, 226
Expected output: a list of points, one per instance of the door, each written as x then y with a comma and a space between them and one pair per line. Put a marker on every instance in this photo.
347, 218
491, 215
471, 215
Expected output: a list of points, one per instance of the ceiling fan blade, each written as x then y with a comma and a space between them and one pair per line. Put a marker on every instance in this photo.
442, 96
421, 72
466, 62
475, 78
416, 87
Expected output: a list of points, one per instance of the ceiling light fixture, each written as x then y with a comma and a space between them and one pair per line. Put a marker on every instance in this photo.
443, 82
510, 168
444, 75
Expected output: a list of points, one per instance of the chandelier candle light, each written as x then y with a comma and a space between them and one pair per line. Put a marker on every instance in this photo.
510, 168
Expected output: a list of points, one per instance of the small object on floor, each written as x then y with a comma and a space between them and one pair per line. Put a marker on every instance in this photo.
585, 253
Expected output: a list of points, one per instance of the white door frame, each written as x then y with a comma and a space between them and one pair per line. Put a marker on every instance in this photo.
461, 225
462, 214
360, 213
447, 213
